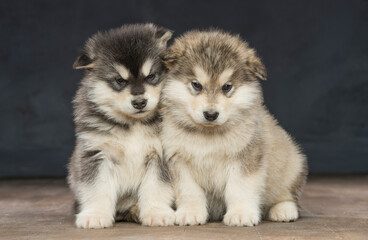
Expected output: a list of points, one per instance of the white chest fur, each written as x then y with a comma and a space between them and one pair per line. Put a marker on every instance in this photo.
207, 156
127, 149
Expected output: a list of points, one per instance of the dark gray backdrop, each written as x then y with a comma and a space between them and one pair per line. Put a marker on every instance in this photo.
315, 51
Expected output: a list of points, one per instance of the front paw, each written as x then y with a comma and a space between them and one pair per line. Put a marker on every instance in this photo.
191, 216
91, 220
284, 212
158, 217
242, 217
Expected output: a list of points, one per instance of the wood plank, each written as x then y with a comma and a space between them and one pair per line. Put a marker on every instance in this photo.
331, 208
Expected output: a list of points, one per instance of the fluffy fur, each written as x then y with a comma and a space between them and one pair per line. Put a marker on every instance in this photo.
228, 157
117, 170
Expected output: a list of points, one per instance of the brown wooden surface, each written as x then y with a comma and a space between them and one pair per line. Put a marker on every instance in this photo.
331, 207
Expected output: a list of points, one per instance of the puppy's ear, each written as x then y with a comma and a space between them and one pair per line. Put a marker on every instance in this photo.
170, 57
83, 61
163, 35
173, 53
256, 67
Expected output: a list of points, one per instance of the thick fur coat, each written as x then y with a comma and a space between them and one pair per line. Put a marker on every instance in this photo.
228, 157
117, 169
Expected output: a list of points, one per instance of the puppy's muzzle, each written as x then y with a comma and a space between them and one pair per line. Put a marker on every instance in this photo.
139, 103
210, 115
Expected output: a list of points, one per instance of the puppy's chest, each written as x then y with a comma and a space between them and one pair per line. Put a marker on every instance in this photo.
208, 158
138, 144
210, 171
129, 148
206, 148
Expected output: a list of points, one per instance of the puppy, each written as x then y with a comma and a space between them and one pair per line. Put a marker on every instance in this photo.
117, 163
228, 157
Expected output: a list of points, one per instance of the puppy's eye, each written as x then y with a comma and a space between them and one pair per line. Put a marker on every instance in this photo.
151, 78
121, 81
227, 87
197, 86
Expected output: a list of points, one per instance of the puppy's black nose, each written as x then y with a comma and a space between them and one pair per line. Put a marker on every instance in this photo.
139, 103
210, 115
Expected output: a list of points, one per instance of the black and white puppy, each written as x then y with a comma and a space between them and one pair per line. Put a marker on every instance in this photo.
117, 162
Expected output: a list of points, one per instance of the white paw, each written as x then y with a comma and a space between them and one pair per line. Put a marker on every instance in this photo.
242, 217
284, 212
191, 216
158, 217
90, 220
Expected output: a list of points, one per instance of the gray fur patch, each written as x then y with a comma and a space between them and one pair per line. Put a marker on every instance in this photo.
154, 122
154, 160
299, 183
164, 170
94, 112
216, 206
76, 207
126, 207
252, 155
90, 162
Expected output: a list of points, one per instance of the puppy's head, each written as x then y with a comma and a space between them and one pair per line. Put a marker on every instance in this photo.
124, 70
213, 79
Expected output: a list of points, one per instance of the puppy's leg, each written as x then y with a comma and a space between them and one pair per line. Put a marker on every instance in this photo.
97, 197
243, 197
156, 195
284, 198
190, 199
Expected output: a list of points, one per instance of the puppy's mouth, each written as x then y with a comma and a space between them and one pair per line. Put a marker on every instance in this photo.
210, 124
205, 124
141, 112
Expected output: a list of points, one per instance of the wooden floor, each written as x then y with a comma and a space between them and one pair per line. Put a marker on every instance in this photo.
332, 208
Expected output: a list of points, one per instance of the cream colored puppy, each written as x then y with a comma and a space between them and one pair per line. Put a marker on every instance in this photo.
228, 157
